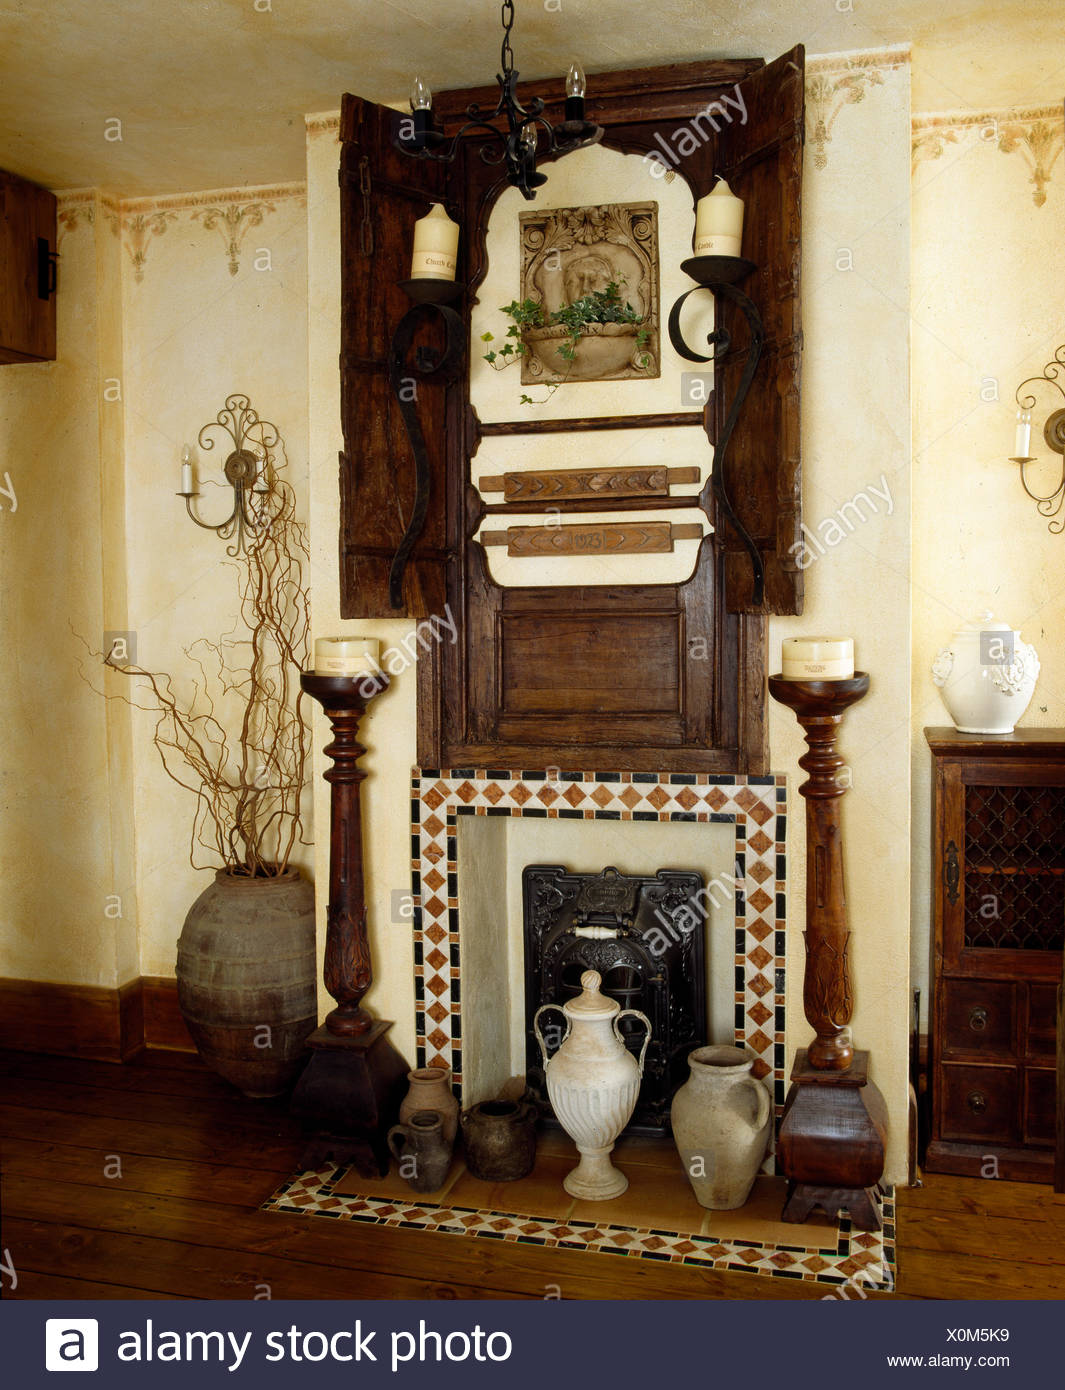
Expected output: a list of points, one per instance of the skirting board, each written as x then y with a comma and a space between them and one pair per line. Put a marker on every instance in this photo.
107, 1025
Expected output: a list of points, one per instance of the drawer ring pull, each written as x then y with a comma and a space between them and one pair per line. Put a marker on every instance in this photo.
977, 1102
978, 1019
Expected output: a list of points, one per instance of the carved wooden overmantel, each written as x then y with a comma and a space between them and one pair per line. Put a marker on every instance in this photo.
648, 677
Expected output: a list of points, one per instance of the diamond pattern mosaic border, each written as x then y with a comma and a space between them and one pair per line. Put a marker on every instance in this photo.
865, 1259
756, 806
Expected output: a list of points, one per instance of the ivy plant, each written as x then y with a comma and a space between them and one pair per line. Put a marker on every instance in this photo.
599, 306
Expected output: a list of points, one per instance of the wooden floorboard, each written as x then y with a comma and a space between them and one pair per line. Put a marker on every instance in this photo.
145, 1181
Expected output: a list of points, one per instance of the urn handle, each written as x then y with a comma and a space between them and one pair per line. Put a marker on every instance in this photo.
536, 1028
634, 1013
763, 1102
397, 1146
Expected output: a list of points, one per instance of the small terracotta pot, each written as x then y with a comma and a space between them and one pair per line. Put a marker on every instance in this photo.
500, 1139
430, 1089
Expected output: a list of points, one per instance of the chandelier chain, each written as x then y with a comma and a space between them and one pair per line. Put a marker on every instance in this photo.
506, 53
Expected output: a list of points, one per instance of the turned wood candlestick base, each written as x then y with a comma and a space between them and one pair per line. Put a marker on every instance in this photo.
350, 1092
832, 1135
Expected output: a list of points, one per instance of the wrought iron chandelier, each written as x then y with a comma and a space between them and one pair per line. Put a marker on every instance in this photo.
527, 135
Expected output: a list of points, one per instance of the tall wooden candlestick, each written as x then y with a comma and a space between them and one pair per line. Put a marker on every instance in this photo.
349, 1093
832, 1134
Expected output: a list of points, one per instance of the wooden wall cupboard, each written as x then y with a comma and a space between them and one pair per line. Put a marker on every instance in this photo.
27, 271
998, 861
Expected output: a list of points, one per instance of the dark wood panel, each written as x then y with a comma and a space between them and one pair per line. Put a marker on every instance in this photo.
79, 1020
27, 321
163, 1025
979, 1017
980, 1104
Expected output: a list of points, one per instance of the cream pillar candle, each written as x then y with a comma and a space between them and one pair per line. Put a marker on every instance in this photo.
1022, 439
719, 222
347, 656
817, 658
187, 484
436, 242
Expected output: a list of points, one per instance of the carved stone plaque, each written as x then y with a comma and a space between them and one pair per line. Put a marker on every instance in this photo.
569, 252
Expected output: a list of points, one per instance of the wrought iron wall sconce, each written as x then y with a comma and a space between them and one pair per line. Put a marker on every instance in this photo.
430, 298
1048, 505
519, 144
722, 275
248, 470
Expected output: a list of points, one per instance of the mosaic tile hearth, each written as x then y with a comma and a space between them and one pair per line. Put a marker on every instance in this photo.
756, 806
853, 1262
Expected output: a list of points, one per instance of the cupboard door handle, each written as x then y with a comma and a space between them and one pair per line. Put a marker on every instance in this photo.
951, 872
978, 1019
977, 1102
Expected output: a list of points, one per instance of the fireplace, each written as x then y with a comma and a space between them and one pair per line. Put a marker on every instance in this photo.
646, 938
466, 880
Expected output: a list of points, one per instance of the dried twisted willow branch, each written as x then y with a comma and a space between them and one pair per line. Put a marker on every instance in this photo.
248, 784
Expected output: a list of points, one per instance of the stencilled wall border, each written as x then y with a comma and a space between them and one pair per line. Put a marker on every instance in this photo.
231, 212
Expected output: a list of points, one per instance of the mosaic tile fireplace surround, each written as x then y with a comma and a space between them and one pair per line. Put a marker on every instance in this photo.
755, 806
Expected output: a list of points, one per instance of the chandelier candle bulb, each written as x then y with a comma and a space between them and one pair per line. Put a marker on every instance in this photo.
187, 485
718, 222
1022, 441
817, 658
347, 656
436, 241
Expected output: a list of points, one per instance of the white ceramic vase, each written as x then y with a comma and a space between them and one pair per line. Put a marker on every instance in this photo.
592, 1083
721, 1119
986, 676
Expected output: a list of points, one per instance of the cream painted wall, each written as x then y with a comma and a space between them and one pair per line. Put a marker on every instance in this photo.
988, 268
856, 434
856, 437
215, 302
66, 854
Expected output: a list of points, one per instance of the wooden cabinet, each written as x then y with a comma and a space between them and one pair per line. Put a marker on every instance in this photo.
27, 271
998, 862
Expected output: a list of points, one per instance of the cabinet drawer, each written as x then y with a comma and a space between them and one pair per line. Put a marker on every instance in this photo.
1039, 1093
980, 1103
979, 1017
1042, 1022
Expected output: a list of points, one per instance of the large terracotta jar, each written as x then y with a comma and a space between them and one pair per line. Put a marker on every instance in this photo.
592, 1083
247, 978
722, 1117
430, 1089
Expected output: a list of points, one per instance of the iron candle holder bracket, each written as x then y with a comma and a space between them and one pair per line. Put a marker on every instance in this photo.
1049, 504
248, 470
721, 275
429, 365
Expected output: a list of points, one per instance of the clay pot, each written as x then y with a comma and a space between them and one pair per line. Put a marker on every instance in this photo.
421, 1150
592, 1083
986, 676
247, 978
722, 1117
430, 1089
500, 1139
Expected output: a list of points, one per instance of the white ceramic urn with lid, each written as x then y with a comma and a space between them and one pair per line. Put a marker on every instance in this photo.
986, 676
592, 1083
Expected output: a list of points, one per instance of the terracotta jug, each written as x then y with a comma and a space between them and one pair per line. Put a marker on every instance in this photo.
421, 1150
430, 1089
722, 1117
592, 1083
500, 1139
